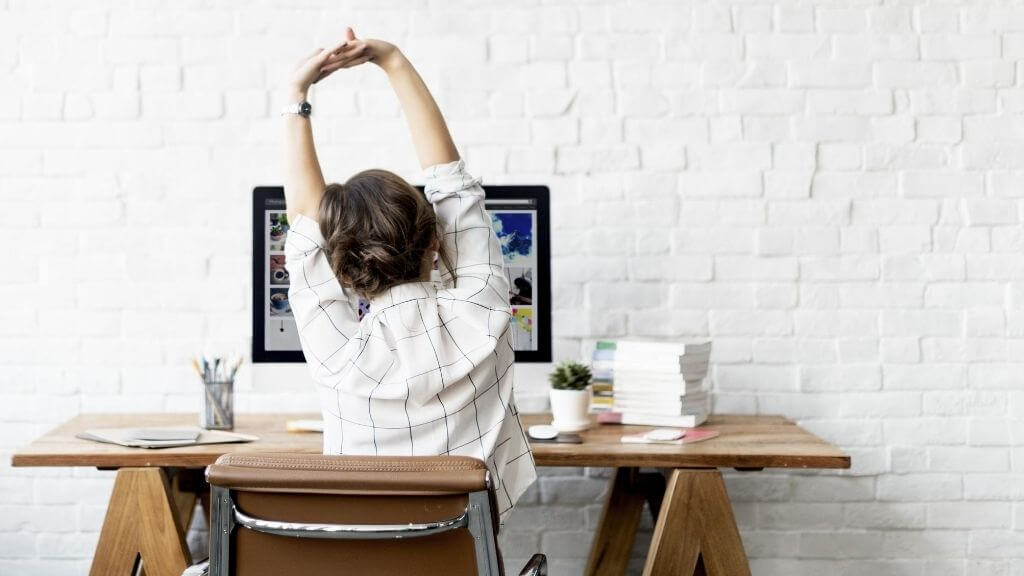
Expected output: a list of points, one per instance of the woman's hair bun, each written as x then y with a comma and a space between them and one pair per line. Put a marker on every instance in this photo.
378, 231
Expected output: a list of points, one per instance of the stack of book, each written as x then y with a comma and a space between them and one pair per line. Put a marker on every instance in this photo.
655, 383
602, 366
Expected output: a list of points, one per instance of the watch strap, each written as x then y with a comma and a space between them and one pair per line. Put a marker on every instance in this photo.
303, 108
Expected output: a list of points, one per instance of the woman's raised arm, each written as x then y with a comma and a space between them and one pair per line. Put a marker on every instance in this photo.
304, 182
429, 132
426, 124
477, 273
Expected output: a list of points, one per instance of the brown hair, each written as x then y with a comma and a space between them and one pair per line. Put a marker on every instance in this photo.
378, 230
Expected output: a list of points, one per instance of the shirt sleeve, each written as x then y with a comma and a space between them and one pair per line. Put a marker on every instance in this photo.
479, 268
326, 314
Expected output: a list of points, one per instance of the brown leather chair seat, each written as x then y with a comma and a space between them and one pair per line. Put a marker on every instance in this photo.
282, 513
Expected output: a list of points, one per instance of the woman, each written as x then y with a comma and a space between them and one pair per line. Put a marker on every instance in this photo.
423, 367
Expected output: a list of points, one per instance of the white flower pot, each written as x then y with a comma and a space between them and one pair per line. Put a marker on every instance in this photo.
570, 408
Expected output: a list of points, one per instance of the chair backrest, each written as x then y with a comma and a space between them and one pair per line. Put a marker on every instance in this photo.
313, 514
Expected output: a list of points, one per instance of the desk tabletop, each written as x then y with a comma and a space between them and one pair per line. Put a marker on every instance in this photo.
744, 442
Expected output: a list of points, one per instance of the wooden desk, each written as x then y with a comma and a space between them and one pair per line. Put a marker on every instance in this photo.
156, 490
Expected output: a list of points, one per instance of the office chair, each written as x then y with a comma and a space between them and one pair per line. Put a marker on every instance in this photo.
279, 513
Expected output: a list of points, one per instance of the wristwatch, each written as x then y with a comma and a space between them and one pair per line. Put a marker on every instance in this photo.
301, 108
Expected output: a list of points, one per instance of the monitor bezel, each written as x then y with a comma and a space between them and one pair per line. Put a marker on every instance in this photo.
495, 193
259, 249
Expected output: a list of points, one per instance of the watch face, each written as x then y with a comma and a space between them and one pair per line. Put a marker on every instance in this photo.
305, 108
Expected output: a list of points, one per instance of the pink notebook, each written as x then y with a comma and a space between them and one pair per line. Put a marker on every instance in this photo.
691, 435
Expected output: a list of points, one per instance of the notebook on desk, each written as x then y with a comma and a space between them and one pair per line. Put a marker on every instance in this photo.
687, 436
163, 437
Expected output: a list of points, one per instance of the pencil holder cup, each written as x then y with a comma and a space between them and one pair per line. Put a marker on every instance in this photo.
218, 405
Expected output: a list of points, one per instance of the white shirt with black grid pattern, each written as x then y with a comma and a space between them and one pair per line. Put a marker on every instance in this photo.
428, 370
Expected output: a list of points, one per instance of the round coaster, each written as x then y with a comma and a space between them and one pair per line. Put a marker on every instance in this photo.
542, 432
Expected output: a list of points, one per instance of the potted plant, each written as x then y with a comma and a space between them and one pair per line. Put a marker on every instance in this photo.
570, 396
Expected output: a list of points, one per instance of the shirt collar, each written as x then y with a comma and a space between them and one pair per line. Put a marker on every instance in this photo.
402, 293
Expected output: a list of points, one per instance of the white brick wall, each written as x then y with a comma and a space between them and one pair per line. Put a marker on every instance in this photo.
833, 191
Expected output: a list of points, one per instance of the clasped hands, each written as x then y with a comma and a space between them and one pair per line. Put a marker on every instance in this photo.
351, 52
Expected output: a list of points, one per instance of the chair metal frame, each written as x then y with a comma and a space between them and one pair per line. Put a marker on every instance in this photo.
226, 517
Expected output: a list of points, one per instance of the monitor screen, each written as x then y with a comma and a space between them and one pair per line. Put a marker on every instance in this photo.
519, 215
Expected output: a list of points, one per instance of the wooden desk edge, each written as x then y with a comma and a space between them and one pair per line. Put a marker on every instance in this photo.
143, 458
838, 462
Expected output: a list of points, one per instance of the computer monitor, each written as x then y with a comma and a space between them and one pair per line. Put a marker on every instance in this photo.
520, 218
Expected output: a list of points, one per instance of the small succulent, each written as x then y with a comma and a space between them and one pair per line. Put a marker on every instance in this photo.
570, 376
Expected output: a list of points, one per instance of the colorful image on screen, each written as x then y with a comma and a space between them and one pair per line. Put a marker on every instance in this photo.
515, 233
522, 329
